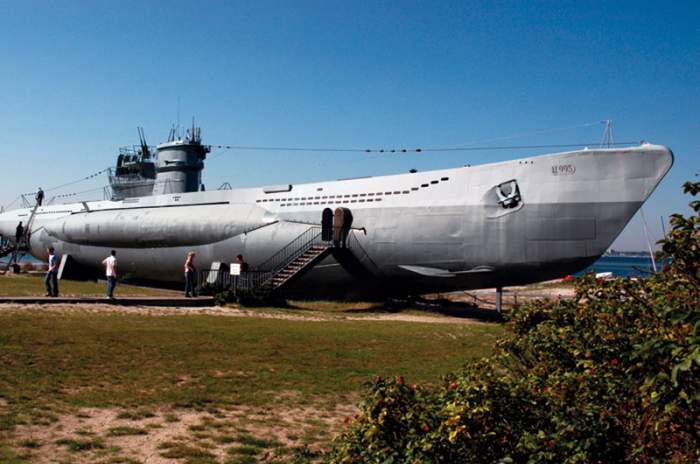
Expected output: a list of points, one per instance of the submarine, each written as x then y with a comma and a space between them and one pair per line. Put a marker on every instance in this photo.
500, 224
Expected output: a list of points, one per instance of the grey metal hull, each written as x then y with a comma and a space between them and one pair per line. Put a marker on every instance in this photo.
432, 231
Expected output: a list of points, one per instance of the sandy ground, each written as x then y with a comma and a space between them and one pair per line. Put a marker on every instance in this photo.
478, 300
150, 436
303, 315
486, 298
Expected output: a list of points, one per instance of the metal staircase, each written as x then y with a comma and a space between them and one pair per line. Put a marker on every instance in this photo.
296, 267
285, 266
291, 262
6, 247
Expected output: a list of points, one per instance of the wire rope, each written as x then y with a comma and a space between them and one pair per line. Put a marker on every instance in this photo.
410, 150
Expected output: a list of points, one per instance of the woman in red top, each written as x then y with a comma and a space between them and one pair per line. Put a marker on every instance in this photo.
190, 270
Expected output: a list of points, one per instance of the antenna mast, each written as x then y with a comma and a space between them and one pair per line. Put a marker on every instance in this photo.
145, 151
178, 118
646, 233
607, 140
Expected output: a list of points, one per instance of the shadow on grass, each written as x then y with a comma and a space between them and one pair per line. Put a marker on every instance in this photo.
463, 309
442, 307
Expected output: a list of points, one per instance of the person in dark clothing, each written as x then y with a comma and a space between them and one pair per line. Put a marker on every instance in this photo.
244, 265
18, 232
51, 279
39, 197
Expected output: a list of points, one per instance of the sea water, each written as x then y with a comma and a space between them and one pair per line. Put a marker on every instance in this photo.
623, 266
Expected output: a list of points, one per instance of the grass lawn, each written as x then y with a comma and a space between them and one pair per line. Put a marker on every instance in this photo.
33, 285
55, 363
88, 385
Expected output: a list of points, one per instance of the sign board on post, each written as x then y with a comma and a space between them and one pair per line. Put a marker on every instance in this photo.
236, 269
213, 274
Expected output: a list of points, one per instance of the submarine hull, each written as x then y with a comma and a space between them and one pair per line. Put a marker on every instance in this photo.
493, 225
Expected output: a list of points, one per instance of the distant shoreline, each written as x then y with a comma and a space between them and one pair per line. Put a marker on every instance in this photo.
627, 254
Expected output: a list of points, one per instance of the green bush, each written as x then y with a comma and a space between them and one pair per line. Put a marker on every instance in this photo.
610, 376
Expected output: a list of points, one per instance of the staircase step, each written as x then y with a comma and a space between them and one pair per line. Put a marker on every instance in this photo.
305, 257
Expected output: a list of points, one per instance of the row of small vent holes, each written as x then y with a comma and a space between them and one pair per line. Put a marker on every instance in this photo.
354, 195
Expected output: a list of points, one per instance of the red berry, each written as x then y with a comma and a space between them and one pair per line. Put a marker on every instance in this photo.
399, 380
614, 361
453, 386
426, 428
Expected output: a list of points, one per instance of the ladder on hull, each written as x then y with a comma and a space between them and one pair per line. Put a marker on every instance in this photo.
8, 247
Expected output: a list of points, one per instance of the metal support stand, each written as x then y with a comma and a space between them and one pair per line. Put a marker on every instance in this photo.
499, 299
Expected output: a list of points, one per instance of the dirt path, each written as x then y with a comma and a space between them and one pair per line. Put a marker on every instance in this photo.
482, 300
267, 313
167, 435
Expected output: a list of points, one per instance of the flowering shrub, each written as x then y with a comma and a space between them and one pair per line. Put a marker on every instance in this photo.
610, 376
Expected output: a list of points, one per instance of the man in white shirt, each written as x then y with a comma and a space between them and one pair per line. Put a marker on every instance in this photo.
51, 279
110, 264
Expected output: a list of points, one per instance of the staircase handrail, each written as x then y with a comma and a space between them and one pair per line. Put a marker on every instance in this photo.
292, 250
26, 233
253, 280
261, 276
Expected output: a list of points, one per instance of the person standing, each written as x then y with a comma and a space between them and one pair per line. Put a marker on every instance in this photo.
110, 264
242, 263
39, 197
190, 269
51, 279
18, 232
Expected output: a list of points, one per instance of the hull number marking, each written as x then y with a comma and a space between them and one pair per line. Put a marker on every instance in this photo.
563, 170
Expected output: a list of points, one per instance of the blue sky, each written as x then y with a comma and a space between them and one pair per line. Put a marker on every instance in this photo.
77, 77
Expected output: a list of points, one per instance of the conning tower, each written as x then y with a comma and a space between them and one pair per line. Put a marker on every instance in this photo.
180, 162
135, 172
